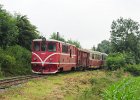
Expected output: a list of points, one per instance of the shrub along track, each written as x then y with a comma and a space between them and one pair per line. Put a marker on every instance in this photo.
8, 82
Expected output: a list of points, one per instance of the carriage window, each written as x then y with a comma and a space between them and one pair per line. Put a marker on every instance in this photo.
96, 56
102, 57
51, 46
36, 46
43, 46
92, 56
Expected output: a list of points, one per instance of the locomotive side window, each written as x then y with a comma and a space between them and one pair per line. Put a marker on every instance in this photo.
70, 53
64, 48
43, 46
36, 46
51, 46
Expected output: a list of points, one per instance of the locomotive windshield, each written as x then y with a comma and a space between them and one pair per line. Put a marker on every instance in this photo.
43, 46
51, 46
36, 46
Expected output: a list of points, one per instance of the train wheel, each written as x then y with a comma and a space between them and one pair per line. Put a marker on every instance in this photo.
61, 70
73, 69
84, 68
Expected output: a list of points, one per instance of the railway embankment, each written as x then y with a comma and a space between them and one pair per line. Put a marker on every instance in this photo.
87, 85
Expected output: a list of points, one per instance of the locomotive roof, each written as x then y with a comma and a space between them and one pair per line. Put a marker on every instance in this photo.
53, 40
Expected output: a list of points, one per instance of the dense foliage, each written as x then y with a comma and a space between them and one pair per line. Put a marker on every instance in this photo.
56, 36
127, 89
104, 46
125, 37
76, 43
115, 61
27, 31
134, 69
124, 46
8, 29
15, 60
15, 30
119, 60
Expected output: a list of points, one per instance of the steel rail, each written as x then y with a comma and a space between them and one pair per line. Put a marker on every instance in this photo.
5, 83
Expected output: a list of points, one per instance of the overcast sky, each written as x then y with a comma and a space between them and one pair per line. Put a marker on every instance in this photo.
87, 21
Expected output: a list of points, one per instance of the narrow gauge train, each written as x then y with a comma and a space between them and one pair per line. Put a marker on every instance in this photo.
51, 56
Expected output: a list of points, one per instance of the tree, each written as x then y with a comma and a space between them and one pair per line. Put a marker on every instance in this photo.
8, 29
104, 46
27, 31
93, 48
125, 37
76, 43
57, 37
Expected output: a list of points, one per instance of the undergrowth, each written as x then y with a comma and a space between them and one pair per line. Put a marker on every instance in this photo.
126, 89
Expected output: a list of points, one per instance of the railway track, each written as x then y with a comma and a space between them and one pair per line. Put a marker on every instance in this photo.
8, 82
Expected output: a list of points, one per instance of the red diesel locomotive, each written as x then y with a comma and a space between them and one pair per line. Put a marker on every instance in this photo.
51, 56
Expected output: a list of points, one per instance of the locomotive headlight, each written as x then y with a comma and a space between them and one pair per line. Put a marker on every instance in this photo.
35, 59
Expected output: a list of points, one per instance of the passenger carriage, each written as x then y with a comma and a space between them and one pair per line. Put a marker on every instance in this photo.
96, 59
83, 59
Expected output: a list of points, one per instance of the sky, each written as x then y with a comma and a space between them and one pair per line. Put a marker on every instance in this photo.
87, 21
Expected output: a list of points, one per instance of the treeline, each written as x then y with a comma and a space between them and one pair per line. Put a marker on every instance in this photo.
16, 29
57, 36
16, 34
124, 46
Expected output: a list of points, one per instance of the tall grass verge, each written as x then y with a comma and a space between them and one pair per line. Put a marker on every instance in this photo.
97, 87
126, 89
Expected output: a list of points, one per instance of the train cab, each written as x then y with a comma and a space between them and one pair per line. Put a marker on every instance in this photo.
45, 56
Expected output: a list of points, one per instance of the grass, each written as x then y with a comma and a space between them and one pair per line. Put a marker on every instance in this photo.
126, 89
88, 85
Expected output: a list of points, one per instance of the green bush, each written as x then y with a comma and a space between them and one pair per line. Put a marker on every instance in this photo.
134, 69
127, 89
23, 58
15, 60
21, 54
115, 61
1, 57
8, 62
119, 60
